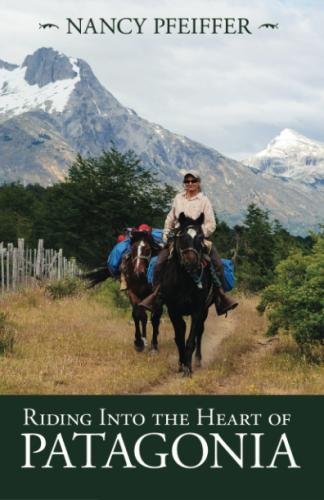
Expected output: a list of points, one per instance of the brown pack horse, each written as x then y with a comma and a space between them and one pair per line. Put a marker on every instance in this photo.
138, 288
135, 267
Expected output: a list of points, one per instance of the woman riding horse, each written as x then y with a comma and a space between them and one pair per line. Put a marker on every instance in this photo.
192, 202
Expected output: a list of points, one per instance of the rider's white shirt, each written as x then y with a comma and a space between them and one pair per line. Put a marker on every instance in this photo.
191, 207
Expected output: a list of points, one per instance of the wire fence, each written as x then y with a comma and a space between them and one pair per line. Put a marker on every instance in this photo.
22, 267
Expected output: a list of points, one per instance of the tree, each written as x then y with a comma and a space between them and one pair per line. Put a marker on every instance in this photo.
257, 246
100, 197
18, 206
224, 239
295, 301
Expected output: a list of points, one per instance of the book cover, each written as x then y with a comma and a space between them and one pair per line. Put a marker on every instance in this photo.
140, 142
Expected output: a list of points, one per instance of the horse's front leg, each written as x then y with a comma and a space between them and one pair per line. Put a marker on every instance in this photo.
200, 331
197, 325
137, 316
143, 320
179, 327
155, 320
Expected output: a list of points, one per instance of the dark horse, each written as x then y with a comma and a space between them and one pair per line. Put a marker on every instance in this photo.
186, 289
138, 288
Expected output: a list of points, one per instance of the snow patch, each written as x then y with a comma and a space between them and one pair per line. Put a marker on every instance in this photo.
158, 130
17, 96
182, 139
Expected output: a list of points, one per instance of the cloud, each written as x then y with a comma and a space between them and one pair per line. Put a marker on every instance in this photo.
230, 92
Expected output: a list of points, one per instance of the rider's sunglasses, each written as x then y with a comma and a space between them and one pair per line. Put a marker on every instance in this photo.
192, 181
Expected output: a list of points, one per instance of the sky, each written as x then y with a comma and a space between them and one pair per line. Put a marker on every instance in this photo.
231, 92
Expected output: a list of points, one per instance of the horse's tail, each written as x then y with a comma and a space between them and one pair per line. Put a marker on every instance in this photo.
96, 276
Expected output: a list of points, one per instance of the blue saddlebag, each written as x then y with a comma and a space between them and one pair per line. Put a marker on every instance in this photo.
229, 276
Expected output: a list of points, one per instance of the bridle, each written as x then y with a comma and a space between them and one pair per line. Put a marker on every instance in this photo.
139, 257
189, 249
183, 251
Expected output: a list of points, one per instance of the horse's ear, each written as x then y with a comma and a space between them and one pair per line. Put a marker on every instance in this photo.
200, 219
182, 219
136, 236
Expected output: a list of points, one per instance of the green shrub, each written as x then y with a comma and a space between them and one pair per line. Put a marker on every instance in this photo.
7, 334
295, 301
108, 293
65, 287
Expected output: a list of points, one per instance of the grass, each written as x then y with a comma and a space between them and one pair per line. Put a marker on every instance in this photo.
282, 370
7, 335
83, 344
249, 363
76, 345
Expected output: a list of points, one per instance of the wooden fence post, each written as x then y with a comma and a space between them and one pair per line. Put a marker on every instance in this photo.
18, 265
2, 256
60, 264
39, 259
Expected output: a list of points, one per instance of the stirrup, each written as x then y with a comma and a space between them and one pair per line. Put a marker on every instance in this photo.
123, 283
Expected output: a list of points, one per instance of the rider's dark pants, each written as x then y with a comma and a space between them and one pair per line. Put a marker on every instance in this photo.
216, 261
162, 258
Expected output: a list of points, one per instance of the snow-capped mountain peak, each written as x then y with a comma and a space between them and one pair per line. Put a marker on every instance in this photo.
291, 155
45, 81
289, 138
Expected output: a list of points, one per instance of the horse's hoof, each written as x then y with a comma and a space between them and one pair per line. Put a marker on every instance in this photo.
139, 347
187, 371
180, 368
153, 351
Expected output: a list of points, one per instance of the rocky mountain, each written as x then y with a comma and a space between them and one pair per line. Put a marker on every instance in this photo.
52, 106
292, 156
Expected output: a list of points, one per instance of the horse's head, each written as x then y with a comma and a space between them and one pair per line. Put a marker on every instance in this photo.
141, 252
189, 241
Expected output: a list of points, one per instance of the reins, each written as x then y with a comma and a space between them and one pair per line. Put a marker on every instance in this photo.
141, 257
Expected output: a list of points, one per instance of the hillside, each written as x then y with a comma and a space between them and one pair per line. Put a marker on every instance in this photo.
52, 107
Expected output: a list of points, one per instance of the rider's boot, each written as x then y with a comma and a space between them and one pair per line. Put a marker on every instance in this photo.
154, 300
151, 301
223, 303
123, 283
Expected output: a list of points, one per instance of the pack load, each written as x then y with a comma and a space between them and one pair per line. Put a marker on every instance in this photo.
121, 248
116, 255
229, 276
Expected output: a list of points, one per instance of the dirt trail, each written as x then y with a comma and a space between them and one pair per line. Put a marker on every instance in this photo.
216, 329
